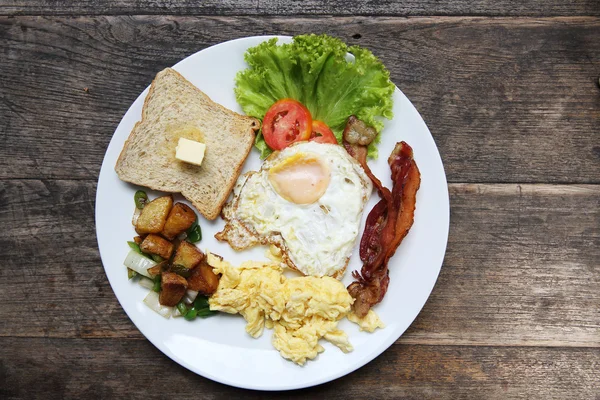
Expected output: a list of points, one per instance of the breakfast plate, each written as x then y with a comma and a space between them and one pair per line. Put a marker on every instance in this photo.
218, 348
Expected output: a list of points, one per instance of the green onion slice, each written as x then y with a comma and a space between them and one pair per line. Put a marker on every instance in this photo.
201, 302
181, 270
194, 234
191, 315
131, 273
157, 258
140, 198
182, 308
136, 247
202, 307
205, 312
156, 286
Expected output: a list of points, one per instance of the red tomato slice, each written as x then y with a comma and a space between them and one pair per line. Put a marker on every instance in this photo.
321, 133
286, 122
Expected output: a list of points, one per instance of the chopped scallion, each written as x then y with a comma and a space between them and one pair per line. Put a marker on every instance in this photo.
136, 247
194, 234
181, 270
156, 286
201, 302
205, 312
182, 308
131, 273
157, 258
191, 314
140, 198
200, 308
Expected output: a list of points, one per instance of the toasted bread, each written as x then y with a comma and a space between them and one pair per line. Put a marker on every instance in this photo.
175, 108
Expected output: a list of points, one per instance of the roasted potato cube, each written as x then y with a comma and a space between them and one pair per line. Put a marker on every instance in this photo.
154, 244
154, 215
153, 271
180, 219
172, 289
187, 255
158, 268
203, 279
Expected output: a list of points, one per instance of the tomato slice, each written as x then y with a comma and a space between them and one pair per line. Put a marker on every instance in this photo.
286, 122
321, 133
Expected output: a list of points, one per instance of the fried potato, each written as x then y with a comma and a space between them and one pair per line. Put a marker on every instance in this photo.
154, 215
158, 268
172, 289
187, 255
153, 271
203, 279
180, 219
154, 244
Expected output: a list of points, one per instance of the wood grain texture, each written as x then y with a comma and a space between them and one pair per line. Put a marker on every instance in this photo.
507, 100
304, 7
521, 267
510, 102
108, 368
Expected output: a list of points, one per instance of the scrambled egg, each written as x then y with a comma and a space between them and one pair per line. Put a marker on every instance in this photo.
300, 310
368, 323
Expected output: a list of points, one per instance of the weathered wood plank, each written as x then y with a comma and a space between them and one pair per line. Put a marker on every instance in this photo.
306, 7
521, 267
507, 100
112, 368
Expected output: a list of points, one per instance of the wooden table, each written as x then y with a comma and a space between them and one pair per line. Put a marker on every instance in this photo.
510, 92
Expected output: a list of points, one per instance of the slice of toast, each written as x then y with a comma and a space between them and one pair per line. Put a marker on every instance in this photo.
175, 108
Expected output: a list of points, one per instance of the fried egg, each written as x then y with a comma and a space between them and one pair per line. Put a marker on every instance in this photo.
307, 200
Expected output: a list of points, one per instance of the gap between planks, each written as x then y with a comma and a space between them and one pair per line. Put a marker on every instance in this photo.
317, 17
273, 15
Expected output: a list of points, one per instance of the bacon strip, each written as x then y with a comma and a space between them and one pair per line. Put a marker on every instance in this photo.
386, 226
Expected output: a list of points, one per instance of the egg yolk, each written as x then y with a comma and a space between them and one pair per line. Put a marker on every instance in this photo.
300, 179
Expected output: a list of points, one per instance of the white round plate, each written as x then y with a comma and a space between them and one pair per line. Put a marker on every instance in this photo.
218, 348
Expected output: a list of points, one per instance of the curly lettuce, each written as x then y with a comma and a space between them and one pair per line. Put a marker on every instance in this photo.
316, 71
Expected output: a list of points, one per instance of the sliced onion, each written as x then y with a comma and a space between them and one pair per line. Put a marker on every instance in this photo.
152, 301
190, 296
136, 215
145, 282
176, 313
138, 263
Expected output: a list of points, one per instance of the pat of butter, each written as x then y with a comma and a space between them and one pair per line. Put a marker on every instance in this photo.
190, 151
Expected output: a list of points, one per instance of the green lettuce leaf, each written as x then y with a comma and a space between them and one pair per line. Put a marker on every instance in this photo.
316, 71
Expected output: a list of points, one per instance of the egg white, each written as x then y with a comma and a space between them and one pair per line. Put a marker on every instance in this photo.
320, 236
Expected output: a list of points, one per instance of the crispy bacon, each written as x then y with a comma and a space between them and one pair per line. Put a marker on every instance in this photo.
387, 224
407, 173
